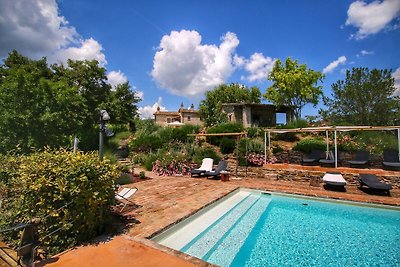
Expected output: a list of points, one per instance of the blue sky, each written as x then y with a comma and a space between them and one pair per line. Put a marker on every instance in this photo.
174, 51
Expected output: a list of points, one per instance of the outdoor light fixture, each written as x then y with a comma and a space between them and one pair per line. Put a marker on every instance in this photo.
104, 117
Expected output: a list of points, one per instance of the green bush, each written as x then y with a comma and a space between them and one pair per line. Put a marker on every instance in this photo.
124, 178
277, 149
227, 145
204, 152
223, 128
301, 123
146, 143
181, 134
254, 132
255, 146
44, 182
307, 145
375, 142
149, 161
145, 127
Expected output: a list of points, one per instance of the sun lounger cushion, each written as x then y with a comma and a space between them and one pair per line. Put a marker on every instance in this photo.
334, 179
206, 165
372, 181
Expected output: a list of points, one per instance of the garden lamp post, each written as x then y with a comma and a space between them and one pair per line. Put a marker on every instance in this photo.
104, 117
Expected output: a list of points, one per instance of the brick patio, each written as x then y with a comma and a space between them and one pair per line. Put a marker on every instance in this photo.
165, 200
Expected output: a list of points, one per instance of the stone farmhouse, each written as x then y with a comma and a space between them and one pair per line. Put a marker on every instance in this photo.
176, 119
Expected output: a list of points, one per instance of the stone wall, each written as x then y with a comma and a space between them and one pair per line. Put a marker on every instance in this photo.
307, 176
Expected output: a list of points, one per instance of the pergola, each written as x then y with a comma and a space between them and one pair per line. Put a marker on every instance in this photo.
327, 129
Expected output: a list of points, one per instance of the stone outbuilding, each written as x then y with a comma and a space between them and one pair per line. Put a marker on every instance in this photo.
176, 119
263, 115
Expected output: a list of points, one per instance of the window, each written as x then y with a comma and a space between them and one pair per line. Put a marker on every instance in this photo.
188, 118
168, 120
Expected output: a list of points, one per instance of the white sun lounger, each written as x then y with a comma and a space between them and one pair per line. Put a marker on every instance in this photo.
206, 166
334, 179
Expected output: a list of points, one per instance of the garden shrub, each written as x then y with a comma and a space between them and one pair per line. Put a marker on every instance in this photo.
205, 152
146, 143
255, 146
277, 149
223, 128
253, 132
44, 182
307, 145
124, 178
227, 145
181, 134
375, 142
149, 161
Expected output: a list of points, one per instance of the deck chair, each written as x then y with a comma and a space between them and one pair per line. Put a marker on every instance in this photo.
215, 174
373, 182
206, 165
313, 157
391, 159
334, 179
331, 159
124, 195
361, 159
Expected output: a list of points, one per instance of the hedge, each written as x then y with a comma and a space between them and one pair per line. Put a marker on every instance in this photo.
69, 192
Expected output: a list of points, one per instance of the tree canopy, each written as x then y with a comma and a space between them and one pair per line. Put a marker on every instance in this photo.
210, 108
365, 97
294, 85
48, 105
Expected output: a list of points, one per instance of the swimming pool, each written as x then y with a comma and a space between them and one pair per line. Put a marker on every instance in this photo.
250, 228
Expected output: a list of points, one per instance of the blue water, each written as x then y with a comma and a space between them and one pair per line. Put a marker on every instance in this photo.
286, 231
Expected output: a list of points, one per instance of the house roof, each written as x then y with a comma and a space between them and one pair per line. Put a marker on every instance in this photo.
170, 113
278, 108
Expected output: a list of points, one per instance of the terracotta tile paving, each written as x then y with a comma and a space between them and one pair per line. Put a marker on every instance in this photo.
164, 200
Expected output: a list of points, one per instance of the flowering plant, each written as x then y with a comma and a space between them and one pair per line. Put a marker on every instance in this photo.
170, 169
259, 159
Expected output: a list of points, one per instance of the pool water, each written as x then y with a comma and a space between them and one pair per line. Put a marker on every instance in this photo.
277, 230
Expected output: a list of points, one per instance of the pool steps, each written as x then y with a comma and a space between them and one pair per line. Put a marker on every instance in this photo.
180, 235
221, 227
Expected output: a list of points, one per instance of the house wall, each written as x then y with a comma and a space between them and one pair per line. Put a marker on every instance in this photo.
194, 118
162, 119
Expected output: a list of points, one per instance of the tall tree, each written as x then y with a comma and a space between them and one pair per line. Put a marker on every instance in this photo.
122, 104
294, 85
364, 98
42, 105
233, 93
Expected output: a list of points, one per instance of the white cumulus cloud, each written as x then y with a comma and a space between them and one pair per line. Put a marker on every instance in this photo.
116, 77
258, 66
88, 49
184, 66
372, 17
36, 29
140, 94
334, 64
396, 76
147, 112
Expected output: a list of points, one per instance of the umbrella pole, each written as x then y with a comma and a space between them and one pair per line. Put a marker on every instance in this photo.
335, 151
265, 147
398, 140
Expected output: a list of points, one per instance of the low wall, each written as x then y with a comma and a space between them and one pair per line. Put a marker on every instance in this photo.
308, 175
